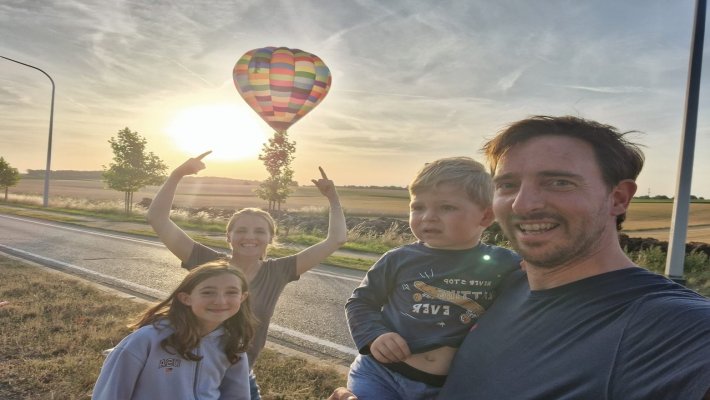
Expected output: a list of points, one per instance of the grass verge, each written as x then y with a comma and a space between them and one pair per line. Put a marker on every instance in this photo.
54, 327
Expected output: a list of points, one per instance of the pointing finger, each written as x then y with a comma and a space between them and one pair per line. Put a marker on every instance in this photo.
322, 173
203, 155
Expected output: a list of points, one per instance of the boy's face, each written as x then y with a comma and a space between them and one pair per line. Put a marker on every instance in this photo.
446, 218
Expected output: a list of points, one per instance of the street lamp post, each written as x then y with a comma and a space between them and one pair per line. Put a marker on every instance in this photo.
681, 203
45, 202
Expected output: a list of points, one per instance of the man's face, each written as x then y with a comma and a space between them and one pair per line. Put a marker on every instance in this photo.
551, 202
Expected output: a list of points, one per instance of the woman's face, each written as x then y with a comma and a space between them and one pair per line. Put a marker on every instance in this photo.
249, 236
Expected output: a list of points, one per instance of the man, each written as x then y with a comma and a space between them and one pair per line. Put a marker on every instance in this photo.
581, 321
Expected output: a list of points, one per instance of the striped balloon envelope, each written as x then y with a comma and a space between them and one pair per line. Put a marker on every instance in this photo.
281, 84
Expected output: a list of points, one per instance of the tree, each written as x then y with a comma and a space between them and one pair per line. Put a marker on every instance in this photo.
132, 168
277, 156
8, 176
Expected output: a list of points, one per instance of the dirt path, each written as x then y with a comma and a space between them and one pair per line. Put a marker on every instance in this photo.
696, 233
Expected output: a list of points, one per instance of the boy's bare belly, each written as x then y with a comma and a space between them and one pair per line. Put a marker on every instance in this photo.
435, 361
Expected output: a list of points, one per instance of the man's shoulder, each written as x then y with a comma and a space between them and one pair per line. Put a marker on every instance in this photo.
675, 301
667, 330
669, 309
659, 291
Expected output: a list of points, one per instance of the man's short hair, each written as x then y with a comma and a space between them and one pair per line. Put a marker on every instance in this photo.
617, 157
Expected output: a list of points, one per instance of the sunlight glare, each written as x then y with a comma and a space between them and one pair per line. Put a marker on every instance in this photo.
231, 132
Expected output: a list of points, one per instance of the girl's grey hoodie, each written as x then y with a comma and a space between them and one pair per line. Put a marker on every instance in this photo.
139, 369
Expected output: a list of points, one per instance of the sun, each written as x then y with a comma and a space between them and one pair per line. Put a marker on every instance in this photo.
231, 132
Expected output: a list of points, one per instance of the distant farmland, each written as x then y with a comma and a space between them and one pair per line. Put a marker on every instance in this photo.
645, 219
229, 193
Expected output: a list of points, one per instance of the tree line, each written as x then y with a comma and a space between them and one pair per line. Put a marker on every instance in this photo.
133, 167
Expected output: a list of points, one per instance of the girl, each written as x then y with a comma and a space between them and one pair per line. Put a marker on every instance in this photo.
190, 345
249, 232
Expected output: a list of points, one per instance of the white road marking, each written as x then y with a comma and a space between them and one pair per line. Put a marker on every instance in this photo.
331, 275
75, 268
67, 228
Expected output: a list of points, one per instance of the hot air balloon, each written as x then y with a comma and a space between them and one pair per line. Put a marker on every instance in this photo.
281, 84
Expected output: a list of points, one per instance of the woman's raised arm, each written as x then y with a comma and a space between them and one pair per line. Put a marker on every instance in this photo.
158, 216
337, 230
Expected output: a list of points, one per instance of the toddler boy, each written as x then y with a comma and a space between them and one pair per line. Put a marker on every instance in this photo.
416, 304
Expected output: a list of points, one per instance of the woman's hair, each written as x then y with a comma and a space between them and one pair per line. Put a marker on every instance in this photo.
256, 212
239, 328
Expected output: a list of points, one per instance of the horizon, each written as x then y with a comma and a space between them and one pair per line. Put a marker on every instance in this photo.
637, 195
413, 81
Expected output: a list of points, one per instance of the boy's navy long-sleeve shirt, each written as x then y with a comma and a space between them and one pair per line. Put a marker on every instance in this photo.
431, 297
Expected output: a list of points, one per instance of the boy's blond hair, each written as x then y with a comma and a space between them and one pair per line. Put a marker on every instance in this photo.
464, 172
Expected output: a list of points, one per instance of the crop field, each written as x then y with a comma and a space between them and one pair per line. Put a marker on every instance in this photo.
222, 193
644, 219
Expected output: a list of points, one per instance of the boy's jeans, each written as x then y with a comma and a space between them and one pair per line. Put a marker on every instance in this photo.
370, 380
253, 387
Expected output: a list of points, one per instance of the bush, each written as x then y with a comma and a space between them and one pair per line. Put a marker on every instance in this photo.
696, 266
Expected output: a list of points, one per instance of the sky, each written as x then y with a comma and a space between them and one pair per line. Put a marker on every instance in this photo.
413, 80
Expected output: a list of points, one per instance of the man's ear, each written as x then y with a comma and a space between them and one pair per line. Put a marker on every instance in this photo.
184, 298
621, 196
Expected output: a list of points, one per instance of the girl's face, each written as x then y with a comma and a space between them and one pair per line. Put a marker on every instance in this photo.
215, 300
249, 236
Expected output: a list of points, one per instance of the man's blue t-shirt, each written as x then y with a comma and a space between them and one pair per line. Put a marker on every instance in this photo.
622, 335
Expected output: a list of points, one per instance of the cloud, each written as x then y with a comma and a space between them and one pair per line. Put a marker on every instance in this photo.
12, 95
507, 82
609, 90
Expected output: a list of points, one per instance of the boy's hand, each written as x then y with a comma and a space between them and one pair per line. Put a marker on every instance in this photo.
390, 347
325, 185
192, 165
342, 393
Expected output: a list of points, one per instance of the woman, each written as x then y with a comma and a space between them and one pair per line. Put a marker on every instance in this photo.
249, 232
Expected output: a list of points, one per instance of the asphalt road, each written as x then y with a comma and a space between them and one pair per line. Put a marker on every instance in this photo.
309, 316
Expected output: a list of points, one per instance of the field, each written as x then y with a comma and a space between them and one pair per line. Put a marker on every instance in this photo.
645, 219
653, 219
222, 193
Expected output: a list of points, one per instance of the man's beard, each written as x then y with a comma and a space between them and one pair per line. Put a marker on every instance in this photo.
574, 247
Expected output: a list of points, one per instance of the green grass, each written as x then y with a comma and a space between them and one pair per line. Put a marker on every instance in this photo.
696, 267
54, 328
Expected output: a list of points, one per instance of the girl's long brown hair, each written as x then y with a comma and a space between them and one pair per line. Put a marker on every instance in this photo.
239, 329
